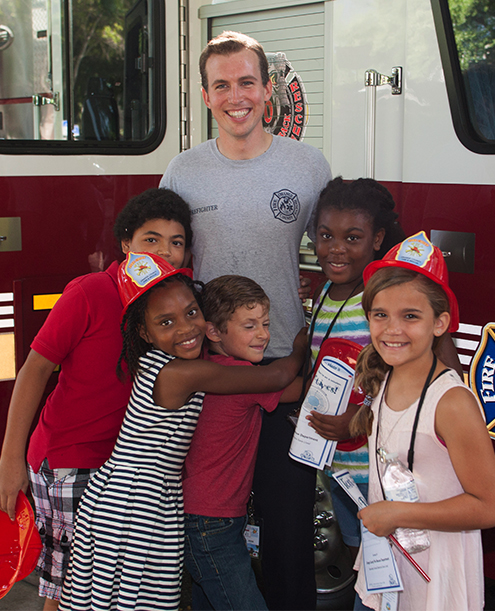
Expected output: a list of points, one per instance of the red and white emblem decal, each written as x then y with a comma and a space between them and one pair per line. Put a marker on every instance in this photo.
287, 111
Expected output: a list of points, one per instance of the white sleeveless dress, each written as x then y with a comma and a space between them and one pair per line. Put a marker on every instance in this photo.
128, 545
454, 560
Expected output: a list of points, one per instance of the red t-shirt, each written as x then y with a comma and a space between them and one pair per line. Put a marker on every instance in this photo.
219, 467
82, 416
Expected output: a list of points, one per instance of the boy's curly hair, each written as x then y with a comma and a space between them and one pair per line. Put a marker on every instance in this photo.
369, 197
149, 205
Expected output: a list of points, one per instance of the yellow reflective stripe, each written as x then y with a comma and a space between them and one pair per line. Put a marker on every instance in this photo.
45, 302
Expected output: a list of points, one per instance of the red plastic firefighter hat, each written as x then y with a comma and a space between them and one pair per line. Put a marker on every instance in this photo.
20, 545
418, 254
140, 271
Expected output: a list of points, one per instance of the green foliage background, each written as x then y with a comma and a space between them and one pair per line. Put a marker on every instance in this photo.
98, 45
474, 29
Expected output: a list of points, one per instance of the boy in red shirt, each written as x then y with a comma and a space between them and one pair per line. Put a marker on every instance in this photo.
219, 467
81, 419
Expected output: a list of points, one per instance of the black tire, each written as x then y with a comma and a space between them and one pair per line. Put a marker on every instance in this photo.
342, 600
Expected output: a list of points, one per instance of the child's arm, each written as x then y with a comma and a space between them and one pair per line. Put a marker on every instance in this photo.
293, 392
335, 428
459, 423
28, 391
180, 378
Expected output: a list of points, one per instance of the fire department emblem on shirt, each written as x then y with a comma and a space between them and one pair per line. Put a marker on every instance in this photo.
287, 111
481, 375
285, 206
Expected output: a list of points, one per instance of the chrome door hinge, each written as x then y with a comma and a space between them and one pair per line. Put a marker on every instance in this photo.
41, 99
372, 78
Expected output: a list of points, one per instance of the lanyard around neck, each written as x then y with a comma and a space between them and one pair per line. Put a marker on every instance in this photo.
307, 371
334, 319
410, 453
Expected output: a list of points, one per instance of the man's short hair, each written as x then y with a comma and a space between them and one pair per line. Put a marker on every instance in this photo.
228, 43
224, 295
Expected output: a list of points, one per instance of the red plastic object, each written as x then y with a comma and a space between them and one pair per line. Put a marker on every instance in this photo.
139, 272
418, 254
347, 352
20, 545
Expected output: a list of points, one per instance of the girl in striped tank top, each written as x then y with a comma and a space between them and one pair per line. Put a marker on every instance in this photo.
128, 546
355, 223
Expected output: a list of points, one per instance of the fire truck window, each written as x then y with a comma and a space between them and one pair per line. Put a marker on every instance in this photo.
473, 24
466, 40
79, 72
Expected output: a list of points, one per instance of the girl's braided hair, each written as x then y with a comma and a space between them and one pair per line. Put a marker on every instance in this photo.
134, 346
370, 197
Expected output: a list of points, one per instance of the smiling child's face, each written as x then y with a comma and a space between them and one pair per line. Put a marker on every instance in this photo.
162, 237
174, 322
403, 325
247, 334
345, 244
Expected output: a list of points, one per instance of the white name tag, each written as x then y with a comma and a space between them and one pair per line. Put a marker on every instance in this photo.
380, 569
390, 601
252, 537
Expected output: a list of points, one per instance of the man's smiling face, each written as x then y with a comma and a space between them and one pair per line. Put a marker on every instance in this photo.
236, 95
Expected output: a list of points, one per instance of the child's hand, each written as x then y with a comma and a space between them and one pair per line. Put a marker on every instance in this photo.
335, 428
13, 477
304, 290
380, 518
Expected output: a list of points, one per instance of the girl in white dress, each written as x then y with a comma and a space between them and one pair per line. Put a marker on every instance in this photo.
410, 306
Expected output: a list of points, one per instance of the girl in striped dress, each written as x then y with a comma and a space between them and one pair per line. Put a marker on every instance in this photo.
355, 223
128, 545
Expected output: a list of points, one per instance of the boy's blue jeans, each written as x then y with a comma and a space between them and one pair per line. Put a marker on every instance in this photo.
218, 560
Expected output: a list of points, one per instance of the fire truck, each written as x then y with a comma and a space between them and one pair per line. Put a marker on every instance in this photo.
97, 96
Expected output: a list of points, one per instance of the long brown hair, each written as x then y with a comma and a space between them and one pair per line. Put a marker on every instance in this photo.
371, 369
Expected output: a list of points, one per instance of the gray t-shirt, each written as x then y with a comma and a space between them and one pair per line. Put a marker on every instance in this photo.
249, 217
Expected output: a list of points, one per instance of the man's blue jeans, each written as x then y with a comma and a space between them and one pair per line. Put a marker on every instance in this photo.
218, 560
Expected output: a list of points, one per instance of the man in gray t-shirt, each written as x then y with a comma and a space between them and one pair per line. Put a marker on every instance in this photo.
248, 218
252, 196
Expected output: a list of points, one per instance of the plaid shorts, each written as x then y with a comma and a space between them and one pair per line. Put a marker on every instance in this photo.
56, 494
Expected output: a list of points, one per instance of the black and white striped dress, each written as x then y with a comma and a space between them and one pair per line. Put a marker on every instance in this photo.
128, 545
